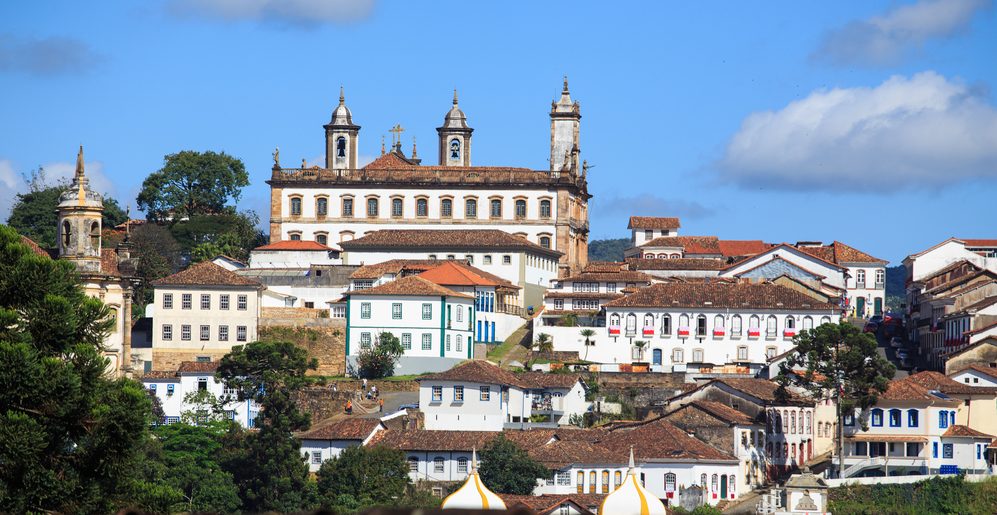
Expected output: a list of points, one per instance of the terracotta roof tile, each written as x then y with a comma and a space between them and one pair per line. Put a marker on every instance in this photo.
720, 295
620, 276
197, 367
432, 440
304, 245
560, 454
443, 239
735, 248
548, 504
456, 273
604, 266
411, 285
206, 273
937, 381
557, 294
979, 242
394, 266
720, 411
987, 371
659, 440
960, 430
348, 429
159, 374
839, 253
676, 264
760, 388
653, 222
476, 371
905, 390
691, 244
109, 262
547, 380
34, 246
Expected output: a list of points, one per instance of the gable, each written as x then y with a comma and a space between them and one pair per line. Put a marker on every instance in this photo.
776, 268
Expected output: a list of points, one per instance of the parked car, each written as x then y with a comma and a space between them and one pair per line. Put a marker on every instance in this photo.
896, 342
414, 405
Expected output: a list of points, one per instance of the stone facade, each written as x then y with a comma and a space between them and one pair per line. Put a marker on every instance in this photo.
323, 338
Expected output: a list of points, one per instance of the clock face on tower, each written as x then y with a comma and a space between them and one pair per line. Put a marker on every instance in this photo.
454, 149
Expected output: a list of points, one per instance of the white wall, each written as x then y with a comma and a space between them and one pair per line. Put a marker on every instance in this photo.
293, 258
688, 474
214, 317
412, 323
174, 406
472, 414
974, 378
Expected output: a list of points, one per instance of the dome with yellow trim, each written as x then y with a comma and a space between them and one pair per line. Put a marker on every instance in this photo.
473, 494
631, 498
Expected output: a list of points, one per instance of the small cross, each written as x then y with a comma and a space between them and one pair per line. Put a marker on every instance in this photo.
396, 134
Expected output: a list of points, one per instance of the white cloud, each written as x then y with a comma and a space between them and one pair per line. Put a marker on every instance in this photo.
293, 12
46, 56
887, 38
12, 182
922, 131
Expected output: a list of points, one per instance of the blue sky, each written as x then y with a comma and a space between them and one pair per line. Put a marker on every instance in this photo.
872, 122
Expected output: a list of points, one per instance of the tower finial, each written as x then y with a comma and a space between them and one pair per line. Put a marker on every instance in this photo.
474, 459
455, 96
631, 457
413, 148
79, 163
565, 84
342, 97
382, 144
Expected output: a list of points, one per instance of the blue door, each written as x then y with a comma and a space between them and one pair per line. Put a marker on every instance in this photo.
656, 357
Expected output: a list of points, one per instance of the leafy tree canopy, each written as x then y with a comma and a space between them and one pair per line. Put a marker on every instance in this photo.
379, 360
608, 250
192, 183
507, 469
363, 477
70, 437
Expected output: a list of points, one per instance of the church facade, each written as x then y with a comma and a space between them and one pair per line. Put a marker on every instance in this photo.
342, 201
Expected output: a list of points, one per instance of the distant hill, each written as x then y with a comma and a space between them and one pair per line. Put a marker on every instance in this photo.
895, 278
608, 250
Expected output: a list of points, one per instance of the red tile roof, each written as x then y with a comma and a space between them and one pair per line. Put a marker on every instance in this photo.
197, 367
618, 276
720, 295
34, 246
653, 222
659, 440
691, 244
676, 264
303, 245
839, 253
476, 371
547, 380
411, 285
987, 371
456, 273
394, 266
960, 430
979, 242
604, 266
548, 504
159, 374
206, 273
761, 389
348, 429
557, 294
736, 248
937, 381
443, 240
906, 390
720, 411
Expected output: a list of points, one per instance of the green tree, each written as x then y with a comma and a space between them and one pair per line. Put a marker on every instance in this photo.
70, 436
545, 345
366, 476
837, 360
34, 216
158, 255
232, 234
507, 469
205, 408
640, 344
608, 250
588, 334
275, 477
192, 183
192, 468
380, 359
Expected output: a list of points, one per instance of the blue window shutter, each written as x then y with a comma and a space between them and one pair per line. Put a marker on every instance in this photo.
934, 449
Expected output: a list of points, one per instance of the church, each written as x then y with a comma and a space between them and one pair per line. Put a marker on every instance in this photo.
343, 201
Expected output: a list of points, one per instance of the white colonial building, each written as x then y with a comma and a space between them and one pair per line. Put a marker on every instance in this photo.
344, 201
584, 295
479, 396
295, 254
328, 440
172, 388
201, 313
435, 324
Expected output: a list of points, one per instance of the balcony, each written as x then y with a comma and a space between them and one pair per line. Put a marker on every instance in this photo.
548, 405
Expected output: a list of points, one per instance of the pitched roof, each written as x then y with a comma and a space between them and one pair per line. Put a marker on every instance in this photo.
659, 440
393, 266
433, 440
653, 222
348, 429
301, 245
759, 388
676, 264
734, 248
612, 276
547, 380
547, 503
206, 273
559, 454
456, 273
720, 295
159, 374
906, 390
476, 371
444, 239
34, 246
720, 411
411, 285
691, 244
839, 253
960, 430
979, 242
987, 371
197, 367
604, 266
937, 381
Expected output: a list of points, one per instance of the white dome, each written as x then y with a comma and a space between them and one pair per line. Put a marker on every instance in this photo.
631, 498
341, 115
473, 494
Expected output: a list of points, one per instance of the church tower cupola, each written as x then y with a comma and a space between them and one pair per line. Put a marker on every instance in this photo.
341, 138
455, 137
565, 118
80, 212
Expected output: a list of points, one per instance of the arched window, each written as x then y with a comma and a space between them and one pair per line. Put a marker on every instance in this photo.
496, 208
446, 208
683, 324
754, 323
617, 478
790, 322
895, 418
702, 481
809, 428
718, 323
735, 325
912, 416
372, 208
321, 206
666, 325
580, 480
648, 321
662, 256
65, 234
605, 481
545, 242
715, 483
792, 422
771, 326
95, 236
341, 147
730, 487
877, 417
670, 482
697, 355
322, 238
614, 320
421, 207
295, 236
544, 209
808, 323
880, 276
820, 429
631, 323
470, 208
825, 320
592, 482
397, 208
860, 278
295, 206
701, 326
462, 465
520, 208
455, 148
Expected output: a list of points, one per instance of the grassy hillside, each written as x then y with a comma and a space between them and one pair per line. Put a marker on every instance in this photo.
608, 250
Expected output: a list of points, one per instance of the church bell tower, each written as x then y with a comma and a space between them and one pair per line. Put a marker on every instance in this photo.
341, 138
80, 214
565, 118
455, 137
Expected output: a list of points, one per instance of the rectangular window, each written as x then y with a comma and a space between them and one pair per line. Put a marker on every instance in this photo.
849, 420
223, 333
877, 418
427, 341
316, 457
427, 311
742, 353
243, 303
460, 313
223, 301
347, 208
437, 393
167, 332
185, 301
372, 208
458, 394
487, 260
947, 451
365, 310
496, 209
167, 301
485, 393
185, 332
448, 343
365, 340
396, 310
205, 301
462, 465
205, 333
912, 449
895, 418
413, 464
407, 341
506, 260
438, 465
240, 333
559, 304
471, 208
934, 449
446, 208
611, 287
